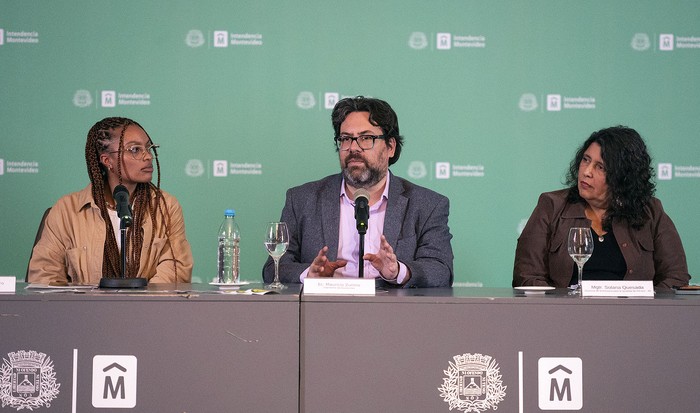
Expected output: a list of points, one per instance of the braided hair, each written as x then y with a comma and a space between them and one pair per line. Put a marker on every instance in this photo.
147, 197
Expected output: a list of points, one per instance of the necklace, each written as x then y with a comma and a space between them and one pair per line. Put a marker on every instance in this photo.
601, 238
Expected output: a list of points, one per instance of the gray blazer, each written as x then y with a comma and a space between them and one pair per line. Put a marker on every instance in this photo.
415, 225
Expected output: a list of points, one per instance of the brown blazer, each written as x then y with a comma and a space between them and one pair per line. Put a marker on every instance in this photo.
653, 252
71, 247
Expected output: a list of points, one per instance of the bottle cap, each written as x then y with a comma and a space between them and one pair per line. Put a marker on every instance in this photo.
230, 213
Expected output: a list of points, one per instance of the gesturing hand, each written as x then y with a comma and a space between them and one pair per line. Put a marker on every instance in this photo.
321, 267
384, 260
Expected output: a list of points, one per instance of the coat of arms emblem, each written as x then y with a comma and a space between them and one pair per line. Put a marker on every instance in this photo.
27, 380
473, 383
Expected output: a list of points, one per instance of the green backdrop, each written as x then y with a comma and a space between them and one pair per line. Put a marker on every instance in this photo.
493, 97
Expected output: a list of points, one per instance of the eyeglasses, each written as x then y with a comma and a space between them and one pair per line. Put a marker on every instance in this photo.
364, 142
138, 152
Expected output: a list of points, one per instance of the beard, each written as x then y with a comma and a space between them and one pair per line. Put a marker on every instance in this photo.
362, 177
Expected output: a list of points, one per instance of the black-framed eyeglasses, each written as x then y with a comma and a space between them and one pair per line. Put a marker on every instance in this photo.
138, 152
364, 142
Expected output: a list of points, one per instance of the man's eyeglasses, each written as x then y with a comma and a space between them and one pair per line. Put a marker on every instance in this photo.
138, 152
364, 142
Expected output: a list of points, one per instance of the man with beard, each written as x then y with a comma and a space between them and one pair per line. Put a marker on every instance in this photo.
408, 241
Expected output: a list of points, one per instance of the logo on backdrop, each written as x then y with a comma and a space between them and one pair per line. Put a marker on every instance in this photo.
669, 42
560, 383
18, 36
307, 100
330, 99
664, 171
418, 41
641, 42
224, 38
447, 170
666, 42
555, 102
225, 168
667, 171
114, 381
83, 98
27, 380
112, 98
417, 170
442, 170
194, 38
444, 41
473, 383
528, 102
18, 167
194, 168
447, 41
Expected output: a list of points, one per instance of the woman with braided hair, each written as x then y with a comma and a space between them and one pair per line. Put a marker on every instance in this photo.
80, 242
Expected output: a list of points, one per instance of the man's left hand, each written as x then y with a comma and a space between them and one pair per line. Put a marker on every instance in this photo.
384, 260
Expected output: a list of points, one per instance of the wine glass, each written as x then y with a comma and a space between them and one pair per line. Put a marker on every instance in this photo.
580, 250
276, 243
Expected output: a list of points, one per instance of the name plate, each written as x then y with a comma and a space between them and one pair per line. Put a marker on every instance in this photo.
617, 288
8, 284
339, 286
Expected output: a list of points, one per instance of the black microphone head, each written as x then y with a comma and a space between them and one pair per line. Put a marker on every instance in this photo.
361, 199
361, 193
121, 197
120, 193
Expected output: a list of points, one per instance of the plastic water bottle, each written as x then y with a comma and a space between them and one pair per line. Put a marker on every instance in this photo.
229, 252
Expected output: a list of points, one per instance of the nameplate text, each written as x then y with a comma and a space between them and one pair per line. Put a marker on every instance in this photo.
594, 288
339, 286
7, 284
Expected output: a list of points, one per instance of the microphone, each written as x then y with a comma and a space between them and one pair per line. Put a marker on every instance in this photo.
121, 197
361, 209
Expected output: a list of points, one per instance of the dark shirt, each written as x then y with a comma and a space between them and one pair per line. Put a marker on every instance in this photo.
606, 262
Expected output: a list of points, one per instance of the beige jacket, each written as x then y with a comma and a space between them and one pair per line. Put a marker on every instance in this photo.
71, 247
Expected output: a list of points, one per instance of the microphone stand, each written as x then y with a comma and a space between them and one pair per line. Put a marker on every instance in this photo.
122, 229
361, 261
122, 281
362, 218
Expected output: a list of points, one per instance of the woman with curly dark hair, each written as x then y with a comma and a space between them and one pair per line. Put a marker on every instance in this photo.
611, 191
81, 238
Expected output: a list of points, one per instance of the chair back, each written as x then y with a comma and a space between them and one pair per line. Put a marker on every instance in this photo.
36, 239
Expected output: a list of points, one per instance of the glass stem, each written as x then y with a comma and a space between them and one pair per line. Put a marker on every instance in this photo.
580, 275
277, 270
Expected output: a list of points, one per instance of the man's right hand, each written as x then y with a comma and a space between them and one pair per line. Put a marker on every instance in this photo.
321, 267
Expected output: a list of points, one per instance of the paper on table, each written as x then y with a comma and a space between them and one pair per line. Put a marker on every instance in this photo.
50, 286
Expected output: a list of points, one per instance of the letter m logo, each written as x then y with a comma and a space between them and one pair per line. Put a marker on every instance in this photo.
114, 381
560, 383
565, 389
112, 391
